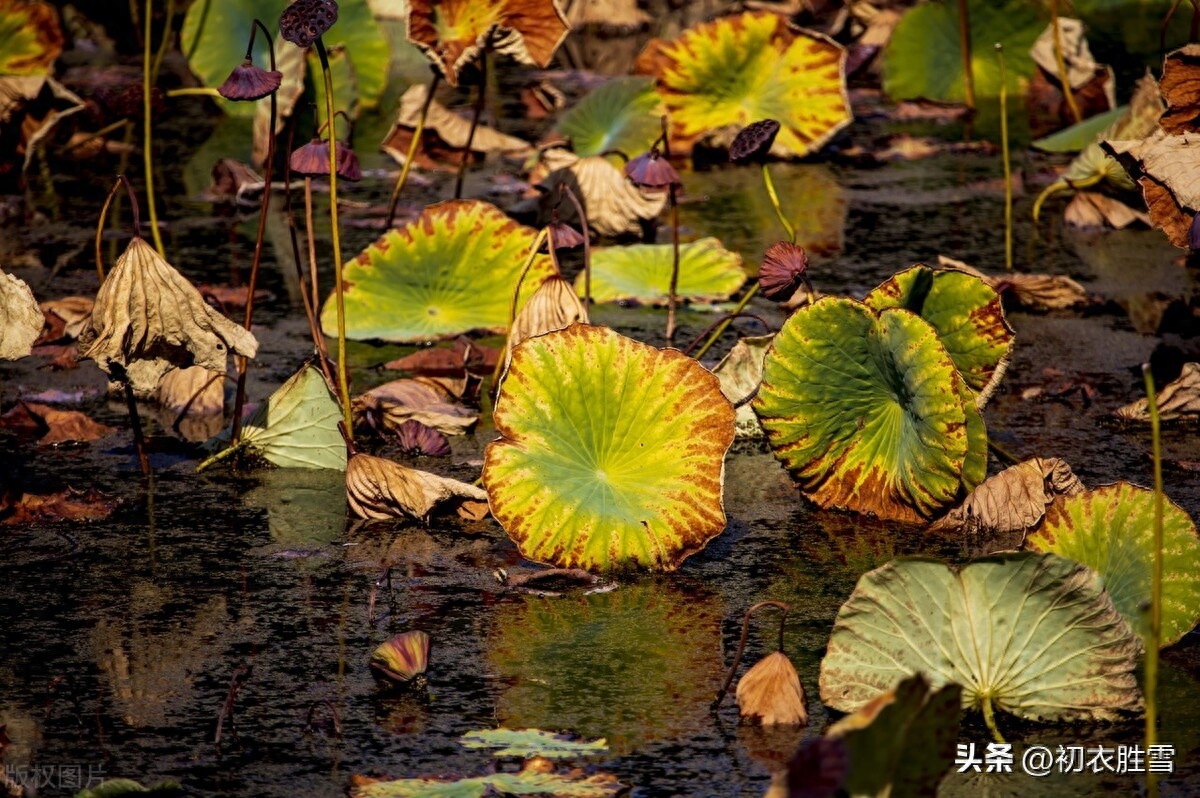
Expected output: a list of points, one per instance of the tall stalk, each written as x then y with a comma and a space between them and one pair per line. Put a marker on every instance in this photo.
147, 139
737, 658
412, 150
672, 300
964, 44
1008, 192
1061, 63
1155, 641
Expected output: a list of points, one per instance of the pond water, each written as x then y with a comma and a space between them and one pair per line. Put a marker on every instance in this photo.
121, 636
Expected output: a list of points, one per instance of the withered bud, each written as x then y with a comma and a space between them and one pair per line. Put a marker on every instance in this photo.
651, 170
312, 160
419, 439
771, 692
304, 21
402, 659
753, 143
248, 82
347, 163
783, 270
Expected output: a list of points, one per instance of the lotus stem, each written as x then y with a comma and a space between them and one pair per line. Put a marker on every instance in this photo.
989, 718
195, 91
672, 300
737, 658
412, 151
723, 325
1155, 636
147, 148
139, 441
466, 150
964, 42
565, 189
236, 683
343, 382
1061, 64
774, 197
101, 133
1062, 185
100, 227
725, 320
1008, 192
164, 44
541, 237
239, 396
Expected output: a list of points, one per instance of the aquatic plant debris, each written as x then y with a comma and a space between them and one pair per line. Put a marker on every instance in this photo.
23, 318
532, 742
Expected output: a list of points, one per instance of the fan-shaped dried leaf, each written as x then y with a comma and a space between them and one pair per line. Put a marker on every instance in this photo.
614, 206
452, 32
554, 306
379, 488
1178, 400
147, 311
1012, 502
771, 692
451, 128
420, 399
21, 319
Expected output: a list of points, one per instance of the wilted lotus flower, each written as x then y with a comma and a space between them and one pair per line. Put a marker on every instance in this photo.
249, 82
651, 170
420, 439
771, 691
753, 143
402, 660
149, 319
784, 269
304, 21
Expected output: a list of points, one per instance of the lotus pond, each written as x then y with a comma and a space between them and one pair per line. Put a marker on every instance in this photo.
932, 486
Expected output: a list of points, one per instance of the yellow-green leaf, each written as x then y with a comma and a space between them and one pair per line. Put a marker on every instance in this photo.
707, 272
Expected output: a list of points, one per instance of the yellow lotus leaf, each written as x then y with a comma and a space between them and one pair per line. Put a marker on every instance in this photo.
720, 76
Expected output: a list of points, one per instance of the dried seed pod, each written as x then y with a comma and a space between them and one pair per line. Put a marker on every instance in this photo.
651, 170
783, 270
249, 82
753, 143
771, 692
402, 659
304, 21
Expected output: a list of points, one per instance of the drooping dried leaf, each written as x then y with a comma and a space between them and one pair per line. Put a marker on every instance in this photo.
194, 401
20, 318
448, 126
614, 206
420, 398
36, 104
1180, 88
1089, 209
1165, 167
1077, 55
554, 306
452, 32
740, 373
1006, 506
66, 505
1177, 400
771, 692
66, 317
1033, 291
148, 312
379, 488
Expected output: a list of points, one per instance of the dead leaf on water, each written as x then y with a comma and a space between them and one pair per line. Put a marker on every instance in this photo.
1177, 400
1089, 209
1032, 291
420, 398
66, 505
379, 488
65, 318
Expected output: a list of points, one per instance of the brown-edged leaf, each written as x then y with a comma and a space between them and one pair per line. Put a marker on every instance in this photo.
1166, 168
1180, 89
379, 488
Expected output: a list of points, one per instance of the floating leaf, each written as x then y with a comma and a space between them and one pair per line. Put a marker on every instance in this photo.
532, 742
452, 32
23, 318
1034, 635
58, 426
1177, 400
71, 311
924, 57
612, 452
623, 115
451, 271
1111, 530
66, 505
1033, 291
120, 788
720, 76
771, 692
614, 206
379, 488
30, 37
964, 310
527, 782
866, 409
402, 658
740, 373
707, 272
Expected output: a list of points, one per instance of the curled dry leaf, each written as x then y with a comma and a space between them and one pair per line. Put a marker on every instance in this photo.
614, 206
1089, 209
1034, 291
1176, 401
771, 691
1165, 166
554, 306
66, 317
740, 373
36, 104
1077, 55
20, 318
379, 488
1006, 506
66, 505
1180, 89
147, 313
421, 399
448, 126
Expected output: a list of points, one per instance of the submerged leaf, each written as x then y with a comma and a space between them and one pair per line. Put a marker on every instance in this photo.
771, 692
707, 272
621, 115
298, 426
1111, 530
532, 742
20, 318
379, 488
1034, 635
612, 452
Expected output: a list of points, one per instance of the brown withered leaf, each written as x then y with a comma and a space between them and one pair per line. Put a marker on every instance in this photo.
1004, 507
19, 315
771, 692
608, 15
1180, 89
148, 319
614, 206
65, 317
230, 178
232, 296
379, 488
1033, 291
66, 426
1167, 169
66, 505
1177, 400
452, 32
62, 356
420, 398
1077, 55
438, 361
553, 306
1089, 209
32, 105
194, 402
450, 129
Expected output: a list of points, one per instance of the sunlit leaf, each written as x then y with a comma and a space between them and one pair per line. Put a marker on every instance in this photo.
30, 37
720, 76
553, 306
770, 692
612, 452
402, 658
866, 409
452, 32
965, 311
1034, 635
450, 271
707, 272
1111, 530
380, 488
623, 115
532, 742
1177, 400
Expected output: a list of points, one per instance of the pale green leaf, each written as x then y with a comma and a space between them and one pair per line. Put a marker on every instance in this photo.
532, 742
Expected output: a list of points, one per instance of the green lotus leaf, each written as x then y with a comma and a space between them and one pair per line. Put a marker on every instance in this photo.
976, 461
623, 114
451, 271
532, 742
1034, 635
612, 452
866, 409
1080, 134
562, 785
924, 56
707, 272
966, 312
636, 665
720, 76
1111, 531
30, 37
215, 33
